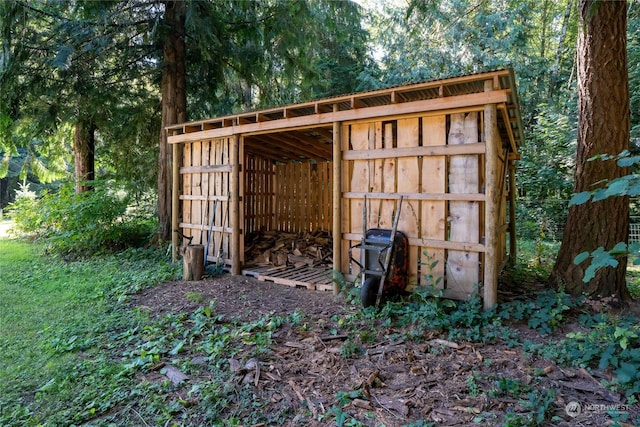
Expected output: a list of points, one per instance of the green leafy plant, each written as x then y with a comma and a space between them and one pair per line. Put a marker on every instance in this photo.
84, 224
628, 185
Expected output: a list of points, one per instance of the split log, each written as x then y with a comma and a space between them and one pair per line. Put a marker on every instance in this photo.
193, 262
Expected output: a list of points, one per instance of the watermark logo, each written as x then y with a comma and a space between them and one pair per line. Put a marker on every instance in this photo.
617, 408
573, 409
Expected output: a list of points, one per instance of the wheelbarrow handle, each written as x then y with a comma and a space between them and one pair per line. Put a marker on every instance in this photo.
351, 258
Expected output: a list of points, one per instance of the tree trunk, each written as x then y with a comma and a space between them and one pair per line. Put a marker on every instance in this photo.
84, 154
174, 104
603, 127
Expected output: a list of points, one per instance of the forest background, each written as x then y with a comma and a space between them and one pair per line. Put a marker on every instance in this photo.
88, 86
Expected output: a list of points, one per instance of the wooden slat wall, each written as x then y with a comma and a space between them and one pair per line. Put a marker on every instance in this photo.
204, 182
442, 213
291, 197
259, 194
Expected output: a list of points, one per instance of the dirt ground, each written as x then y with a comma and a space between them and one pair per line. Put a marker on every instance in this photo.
400, 382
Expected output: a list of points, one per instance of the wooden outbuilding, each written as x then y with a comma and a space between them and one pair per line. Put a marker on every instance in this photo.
448, 147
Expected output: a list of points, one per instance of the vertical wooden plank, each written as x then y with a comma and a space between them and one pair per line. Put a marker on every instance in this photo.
279, 184
409, 181
227, 154
241, 202
359, 181
344, 222
234, 211
206, 208
270, 195
218, 187
196, 190
376, 176
329, 202
213, 178
388, 179
313, 203
186, 180
336, 194
175, 199
512, 213
463, 268
433, 213
492, 173
304, 200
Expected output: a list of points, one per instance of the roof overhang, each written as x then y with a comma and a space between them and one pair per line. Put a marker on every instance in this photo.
304, 131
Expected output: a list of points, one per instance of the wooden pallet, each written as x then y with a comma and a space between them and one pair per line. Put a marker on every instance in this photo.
314, 278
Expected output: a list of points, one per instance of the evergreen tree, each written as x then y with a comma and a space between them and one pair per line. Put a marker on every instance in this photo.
603, 128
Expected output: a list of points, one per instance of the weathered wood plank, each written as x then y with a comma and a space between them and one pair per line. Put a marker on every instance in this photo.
433, 213
409, 181
470, 197
186, 188
387, 207
386, 111
359, 180
432, 243
427, 151
463, 268
196, 190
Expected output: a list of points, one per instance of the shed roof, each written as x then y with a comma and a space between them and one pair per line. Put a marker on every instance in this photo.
304, 130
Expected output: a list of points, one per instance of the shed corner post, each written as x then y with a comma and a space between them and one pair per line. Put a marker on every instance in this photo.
235, 205
337, 202
175, 200
492, 193
512, 213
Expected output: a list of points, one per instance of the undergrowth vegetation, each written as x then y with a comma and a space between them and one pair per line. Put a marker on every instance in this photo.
76, 353
107, 219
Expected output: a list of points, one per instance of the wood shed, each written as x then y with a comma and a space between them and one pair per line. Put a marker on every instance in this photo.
448, 147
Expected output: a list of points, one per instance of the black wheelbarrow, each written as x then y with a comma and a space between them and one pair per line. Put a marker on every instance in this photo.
384, 259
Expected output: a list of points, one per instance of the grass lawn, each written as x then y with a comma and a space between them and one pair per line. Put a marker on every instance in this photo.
57, 321
74, 354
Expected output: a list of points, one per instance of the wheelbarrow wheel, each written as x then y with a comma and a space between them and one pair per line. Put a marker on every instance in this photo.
369, 291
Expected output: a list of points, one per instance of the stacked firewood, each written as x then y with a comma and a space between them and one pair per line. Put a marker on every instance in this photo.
277, 248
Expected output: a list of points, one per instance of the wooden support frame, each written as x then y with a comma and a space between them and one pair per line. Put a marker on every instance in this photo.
382, 145
235, 205
492, 191
175, 201
512, 213
337, 202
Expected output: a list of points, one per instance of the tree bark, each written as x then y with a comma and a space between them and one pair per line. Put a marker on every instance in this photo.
84, 154
603, 127
174, 104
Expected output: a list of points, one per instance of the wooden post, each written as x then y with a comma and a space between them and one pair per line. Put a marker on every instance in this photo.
492, 194
512, 213
235, 205
175, 200
193, 262
337, 202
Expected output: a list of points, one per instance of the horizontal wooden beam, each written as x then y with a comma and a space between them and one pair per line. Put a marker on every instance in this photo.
446, 103
429, 243
206, 169
461, 197
204, 197
205, 227
436, 150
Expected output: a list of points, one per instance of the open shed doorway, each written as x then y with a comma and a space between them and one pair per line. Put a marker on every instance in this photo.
287, 207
